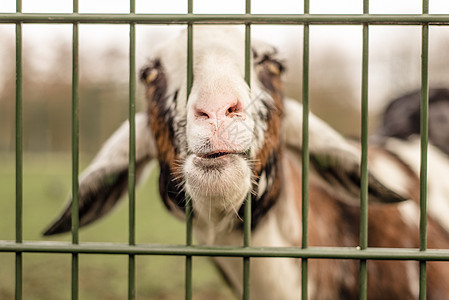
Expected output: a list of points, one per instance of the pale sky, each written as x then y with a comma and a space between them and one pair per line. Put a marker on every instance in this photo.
346, 39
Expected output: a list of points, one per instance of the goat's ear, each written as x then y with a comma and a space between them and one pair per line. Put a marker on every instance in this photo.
333, 160
105, 181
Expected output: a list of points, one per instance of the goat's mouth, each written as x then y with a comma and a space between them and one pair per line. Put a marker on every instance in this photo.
217, 159
221, 175
220, 154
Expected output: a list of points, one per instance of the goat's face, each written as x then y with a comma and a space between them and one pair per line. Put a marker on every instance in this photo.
216, 143
219, 135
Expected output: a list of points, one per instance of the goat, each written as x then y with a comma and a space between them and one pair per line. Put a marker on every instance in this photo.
225, 140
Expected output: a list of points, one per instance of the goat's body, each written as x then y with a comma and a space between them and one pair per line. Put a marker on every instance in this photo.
334, 223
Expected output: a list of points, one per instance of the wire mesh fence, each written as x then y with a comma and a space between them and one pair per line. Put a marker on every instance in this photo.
188, 250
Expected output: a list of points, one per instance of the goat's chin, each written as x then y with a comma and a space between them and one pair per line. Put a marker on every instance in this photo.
217, 186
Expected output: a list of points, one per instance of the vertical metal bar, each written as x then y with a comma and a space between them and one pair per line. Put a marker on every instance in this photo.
19, 131
132, 134
424, 142
132, 155
75, 153
189, 209
19, 156
305, 155
75, 128
363, 284
247, 214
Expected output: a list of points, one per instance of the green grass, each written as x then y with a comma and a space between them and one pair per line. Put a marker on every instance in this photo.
46, 185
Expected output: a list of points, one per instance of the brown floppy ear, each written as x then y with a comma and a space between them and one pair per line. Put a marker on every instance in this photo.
334, 162
105, 181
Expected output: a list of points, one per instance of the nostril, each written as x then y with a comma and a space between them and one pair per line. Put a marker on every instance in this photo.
201, 114
233, 110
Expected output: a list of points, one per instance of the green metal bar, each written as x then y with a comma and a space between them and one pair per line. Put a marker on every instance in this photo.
75, 132
189, 88
247, 214
305, 155
363, 280
292, 19
19, 134
364, 167
189, 207
424, 142
75, 276
131, 276
132, 156
19, 157
75, 154
411, 254
19, 277
425, 7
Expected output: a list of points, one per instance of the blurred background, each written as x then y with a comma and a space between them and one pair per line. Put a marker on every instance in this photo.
335, 92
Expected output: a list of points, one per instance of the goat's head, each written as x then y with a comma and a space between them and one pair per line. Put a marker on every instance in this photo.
210, 142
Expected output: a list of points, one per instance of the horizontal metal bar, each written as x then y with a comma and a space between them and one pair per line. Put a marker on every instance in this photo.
182, 250
409, 19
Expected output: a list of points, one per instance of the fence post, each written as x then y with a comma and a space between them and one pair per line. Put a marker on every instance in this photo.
19, 156
305, 155
424, 142
247, 204
189, 208
75, 152
132, 155
363, 284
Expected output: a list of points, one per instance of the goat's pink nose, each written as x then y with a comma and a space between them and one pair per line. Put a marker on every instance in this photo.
218, 110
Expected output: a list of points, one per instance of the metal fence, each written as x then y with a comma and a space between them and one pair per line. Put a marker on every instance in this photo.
76, 248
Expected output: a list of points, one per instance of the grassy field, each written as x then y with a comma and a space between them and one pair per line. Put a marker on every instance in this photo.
46, 185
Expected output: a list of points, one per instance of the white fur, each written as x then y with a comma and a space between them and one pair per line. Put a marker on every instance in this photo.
437, 172
115, 152
395, 179
412, 270
409, 211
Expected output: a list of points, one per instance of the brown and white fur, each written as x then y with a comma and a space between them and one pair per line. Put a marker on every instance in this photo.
225, 140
